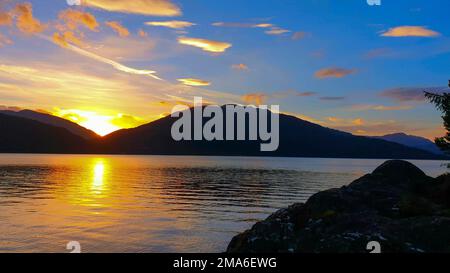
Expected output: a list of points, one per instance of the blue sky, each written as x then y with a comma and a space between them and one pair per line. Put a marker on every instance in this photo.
343, 64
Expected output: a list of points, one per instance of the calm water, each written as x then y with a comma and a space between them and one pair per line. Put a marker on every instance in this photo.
154, 203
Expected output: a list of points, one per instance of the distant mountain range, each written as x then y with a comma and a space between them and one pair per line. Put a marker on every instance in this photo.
54, 121
36, 132
22, 135
412, 141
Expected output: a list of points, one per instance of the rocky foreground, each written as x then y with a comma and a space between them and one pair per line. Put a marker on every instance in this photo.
397, 205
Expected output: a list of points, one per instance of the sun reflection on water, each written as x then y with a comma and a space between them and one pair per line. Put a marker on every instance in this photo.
99, 172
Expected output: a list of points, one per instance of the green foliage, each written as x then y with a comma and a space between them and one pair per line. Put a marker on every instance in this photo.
442, 102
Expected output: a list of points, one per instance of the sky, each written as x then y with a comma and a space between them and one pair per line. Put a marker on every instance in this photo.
110, 64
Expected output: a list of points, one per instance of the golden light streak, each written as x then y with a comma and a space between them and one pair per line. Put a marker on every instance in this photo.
206, 45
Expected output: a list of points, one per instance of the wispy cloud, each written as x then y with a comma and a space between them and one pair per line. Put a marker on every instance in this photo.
378, 52
410, 31
332, 98
410, 93
291, 93
255, 98
118, 28
373, 107
299, 35
366, 127
334, 72
243, 25
204, 44
306, 94
4, 40
104, 60
262, 97
194, 82
277, 31
240, 67
272, 29
171, 24
145, 7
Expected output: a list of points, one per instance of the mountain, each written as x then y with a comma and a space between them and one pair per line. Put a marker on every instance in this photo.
21, 135
412, 141
54, 121
298, 138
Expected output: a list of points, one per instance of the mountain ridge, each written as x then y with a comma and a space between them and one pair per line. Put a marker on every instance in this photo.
54, 121
412, 141
298, 138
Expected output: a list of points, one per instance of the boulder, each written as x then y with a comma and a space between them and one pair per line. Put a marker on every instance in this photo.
397, 206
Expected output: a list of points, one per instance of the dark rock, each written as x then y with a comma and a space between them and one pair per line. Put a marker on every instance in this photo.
397, 205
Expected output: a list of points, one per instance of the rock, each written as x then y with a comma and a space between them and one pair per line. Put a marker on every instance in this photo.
397, 205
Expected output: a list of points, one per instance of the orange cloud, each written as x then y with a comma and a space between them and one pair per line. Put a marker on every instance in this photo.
5, 19
65, 38
334, 119
142, 33
25, 20
206, 45
194, 82
264, 25
145, 7
171, 24
255, 98
118, 28
358, 122
74, 18
410, 31
334, 72
240, 66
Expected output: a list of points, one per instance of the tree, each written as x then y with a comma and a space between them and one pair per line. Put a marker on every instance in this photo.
442, 102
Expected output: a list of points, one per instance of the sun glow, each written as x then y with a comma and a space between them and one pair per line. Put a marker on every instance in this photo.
100, 124
99, 171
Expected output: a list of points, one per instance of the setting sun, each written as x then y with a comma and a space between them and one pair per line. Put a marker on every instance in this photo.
100, 124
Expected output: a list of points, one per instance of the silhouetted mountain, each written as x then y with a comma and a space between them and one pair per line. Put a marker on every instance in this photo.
298, 138
54, 121
412, 141
21, 135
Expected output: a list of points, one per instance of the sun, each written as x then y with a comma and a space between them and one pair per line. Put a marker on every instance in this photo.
100, 124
